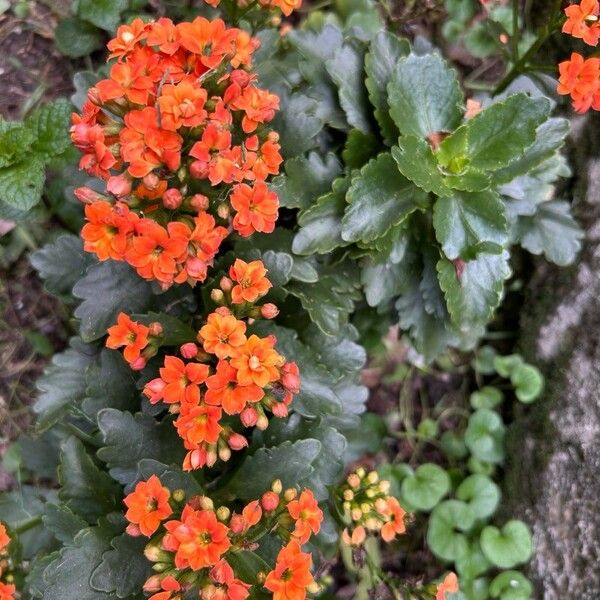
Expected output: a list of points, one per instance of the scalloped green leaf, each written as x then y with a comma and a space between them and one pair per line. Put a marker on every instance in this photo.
105, 14
75, 37
507, 547
21, 183
49, 125
424, 96
379, 198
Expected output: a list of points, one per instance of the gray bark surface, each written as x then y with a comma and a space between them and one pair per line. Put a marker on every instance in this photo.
553, 479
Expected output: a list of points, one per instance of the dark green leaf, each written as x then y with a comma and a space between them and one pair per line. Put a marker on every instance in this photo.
15, 142
129, 438
62, 522
385, 51
379, 198
175, 332
76, 38
424, 96
50, 126
85, 489
21, 183
246, 565
107, 289
105, 14
467, 220
360, 148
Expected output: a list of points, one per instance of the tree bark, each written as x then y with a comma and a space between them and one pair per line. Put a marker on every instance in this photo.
553, 478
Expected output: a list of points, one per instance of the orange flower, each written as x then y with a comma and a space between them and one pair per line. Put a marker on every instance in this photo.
126, 79
256, 207
581, 79
7, 591
108, 230
4, 537
148, 505
211, 40
169, 585
199, 424
395, 526
226, 586
582, 21
182, 105
291, 576
128, 333
258, 362
165, 35
450, 584
198, 540
356, 538
224, 391
126, 39
222, 335
258, 105
307, 514
286, 6
251, 281
182, 380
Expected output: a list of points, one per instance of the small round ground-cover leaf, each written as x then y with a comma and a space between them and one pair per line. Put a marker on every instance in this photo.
511, 585
482, 494
447, 526
426, 487
485, 436
509, 546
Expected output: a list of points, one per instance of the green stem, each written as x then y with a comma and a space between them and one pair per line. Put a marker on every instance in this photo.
515, 31
86, 438
27, 525
520, 66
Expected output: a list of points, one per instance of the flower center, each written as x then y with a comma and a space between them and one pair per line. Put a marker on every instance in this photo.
254, 362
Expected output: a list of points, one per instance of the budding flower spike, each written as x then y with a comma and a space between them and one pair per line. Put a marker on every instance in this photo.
193, 544
178, 132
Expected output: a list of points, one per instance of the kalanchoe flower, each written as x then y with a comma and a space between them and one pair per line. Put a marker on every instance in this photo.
448, 585
582, 21
291, 577
148, 505
179, 112
580, 78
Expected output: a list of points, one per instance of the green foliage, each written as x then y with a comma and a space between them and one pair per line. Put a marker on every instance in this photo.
26, 149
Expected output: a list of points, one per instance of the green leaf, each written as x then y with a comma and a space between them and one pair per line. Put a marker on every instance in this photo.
497, 135
507, 547
511, 585
453, 445
105, 14
473, 298
416, 162
175, 332
306, 179
381, 279
61, 263
480, 41
447, 524
424, 96
246, 565
76, 38
289, 462
171, 477
506, 365
551, 231
63, 384
346, 70
379, 198
385, 51
85, 489
321, 224
549, 137
528, 382
129, 438
124, 569
21, 183
467, 221
360, 148
472, 565
424, 490
15, 142
487, 397
107, 289
49, 125
485, 436
481, 493
69, 574
62, 522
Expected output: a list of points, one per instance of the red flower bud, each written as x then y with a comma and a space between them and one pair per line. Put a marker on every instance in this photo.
269, 311
119, 185
270, 501
280, 410
87, 195
138, 364
199, 169
199, 202
189, 350
172, 199
249, 417
155, 329
226, 284
151, 181
290, 377
237, 441
196, 268
236, 524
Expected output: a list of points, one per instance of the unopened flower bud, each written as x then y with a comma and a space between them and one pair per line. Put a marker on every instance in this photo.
269, 501
199, 202
237, 524
313, 588
373, 477
199, 169
249, 417
226, 284
370, 493
290, 494
189, 350
381, 506
280, 410
196, 268
133, 530
87, 195
223, 513
269, 311
384, 486
172, 199
94, 96
356, 514
160, 567
155, 329
152, 584
178, 495
151, 181
153, 552
211, 457
353, 481
223, 311
348, 495
361, 472
347, 506
277, 486
119, 185
262, 422
223, 211
138, 364
205, 503
372, 524
237, 441
261, 577
217, 296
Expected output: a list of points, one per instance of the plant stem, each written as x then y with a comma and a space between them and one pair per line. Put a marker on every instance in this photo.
86, 438
27, 525
515, 31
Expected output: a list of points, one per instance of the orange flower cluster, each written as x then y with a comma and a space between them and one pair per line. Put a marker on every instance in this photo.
580, 77
192, 541
226, 371
448, 585
178, 132
285, 6
368, 508
7, 588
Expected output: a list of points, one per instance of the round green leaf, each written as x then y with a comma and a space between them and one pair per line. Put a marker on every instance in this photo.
76, 38
507, 547
484, 360
428, 428
477, 589
485, 436
505, 365
447, 523
482, 494
478, 466
487, 397
429, 484
472, 564
511, 585
528, 382
453, 445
